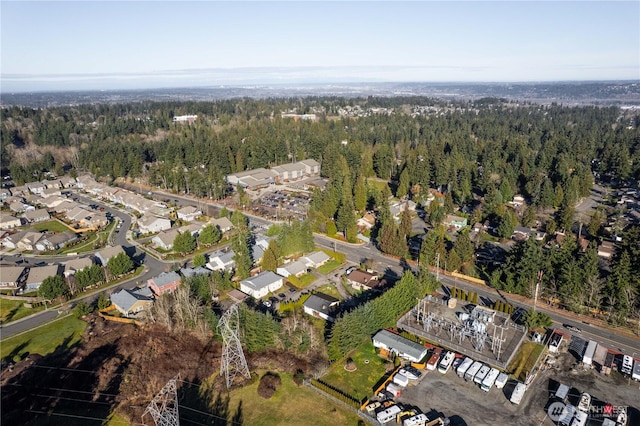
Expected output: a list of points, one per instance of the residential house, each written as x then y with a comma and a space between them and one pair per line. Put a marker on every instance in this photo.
453, 221
64, 206
258, 248
72, 266
131, 302
362, 280
165, 239
397, 208
189, 213
20, 191
222, 261
316, 259
68, 182
53, 201
12, 277
522, 233
321, 305
192, 272
78, 214
396, 344
35, 216
9, 222
262, 284
56, 241
29, 240
223, 223
51, 192
193, 228
166, 282
296, 268
94, 220
11, 241
367, 221
38, 275
106, 254
52, 184
17, 206
151, 224
35, 187
606, 249
518, 200
237, 296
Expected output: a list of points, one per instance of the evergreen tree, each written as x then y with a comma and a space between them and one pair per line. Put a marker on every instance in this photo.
403, 184
271, 255
53, 287
120, 264
406, 224
209, 235
184, 243
242, 255
360, 194
464, 247
199, 260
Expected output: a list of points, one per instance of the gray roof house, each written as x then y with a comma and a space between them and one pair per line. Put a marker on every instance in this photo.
189, 213
165, 239
260, 285
192, 272
395, 343
72, 266
316, 259
151, 224
295, 268
39, 215
222, 261
223, 223
131, 302
321, 305
12, 277
106, 254
38, 275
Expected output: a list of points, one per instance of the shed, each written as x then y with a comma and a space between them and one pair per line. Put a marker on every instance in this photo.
395, 343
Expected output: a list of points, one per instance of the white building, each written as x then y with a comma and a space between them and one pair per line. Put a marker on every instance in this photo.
151, 224
262, 284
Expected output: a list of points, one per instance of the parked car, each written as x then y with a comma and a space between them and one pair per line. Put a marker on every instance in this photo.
572, 328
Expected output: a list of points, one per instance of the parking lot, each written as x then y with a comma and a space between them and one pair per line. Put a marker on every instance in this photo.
282, 204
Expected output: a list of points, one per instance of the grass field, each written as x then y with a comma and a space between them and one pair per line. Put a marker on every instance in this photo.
291, 405
329, 266
51, 226
303, 281
44, 340
12, 310
358, 383
330, 289
377, 184
525, 359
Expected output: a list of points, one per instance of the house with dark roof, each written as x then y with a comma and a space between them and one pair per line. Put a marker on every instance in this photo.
131, 302
56, 241
166, 282
321, 305
262, 284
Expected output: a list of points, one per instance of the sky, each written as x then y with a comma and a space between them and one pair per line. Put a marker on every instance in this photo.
101, 45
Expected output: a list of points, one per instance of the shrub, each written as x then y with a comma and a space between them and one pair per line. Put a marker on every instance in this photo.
269, 384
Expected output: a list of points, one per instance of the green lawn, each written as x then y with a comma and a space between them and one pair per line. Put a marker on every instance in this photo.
303, 281
329, 266
378, 184
51, 226
44, 340
331, 290
12, 310
358, 383
290, 405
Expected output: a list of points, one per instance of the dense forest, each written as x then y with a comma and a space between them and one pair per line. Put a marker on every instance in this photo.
478, 154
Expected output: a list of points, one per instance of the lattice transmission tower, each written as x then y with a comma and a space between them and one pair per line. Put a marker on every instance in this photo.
233, 362
164, 406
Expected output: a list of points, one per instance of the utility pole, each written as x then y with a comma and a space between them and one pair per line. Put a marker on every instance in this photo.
535, 296
437, 266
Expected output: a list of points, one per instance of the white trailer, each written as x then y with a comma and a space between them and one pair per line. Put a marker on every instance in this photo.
518, 393
635, 374
417, 420
388, 414
479, 377
490, 380
473, 370
464, 366
394, 389
627, 365
502, 380
401, 380
587, 358
446, 362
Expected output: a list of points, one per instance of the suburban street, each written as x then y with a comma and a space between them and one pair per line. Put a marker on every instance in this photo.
390, 268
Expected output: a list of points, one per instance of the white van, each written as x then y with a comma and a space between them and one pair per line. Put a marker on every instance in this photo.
502, 380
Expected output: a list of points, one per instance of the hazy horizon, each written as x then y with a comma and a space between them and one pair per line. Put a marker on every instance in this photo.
104, 45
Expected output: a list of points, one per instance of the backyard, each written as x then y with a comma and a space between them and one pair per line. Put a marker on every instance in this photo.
370, 369
525, 359
329, 267
50, 226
